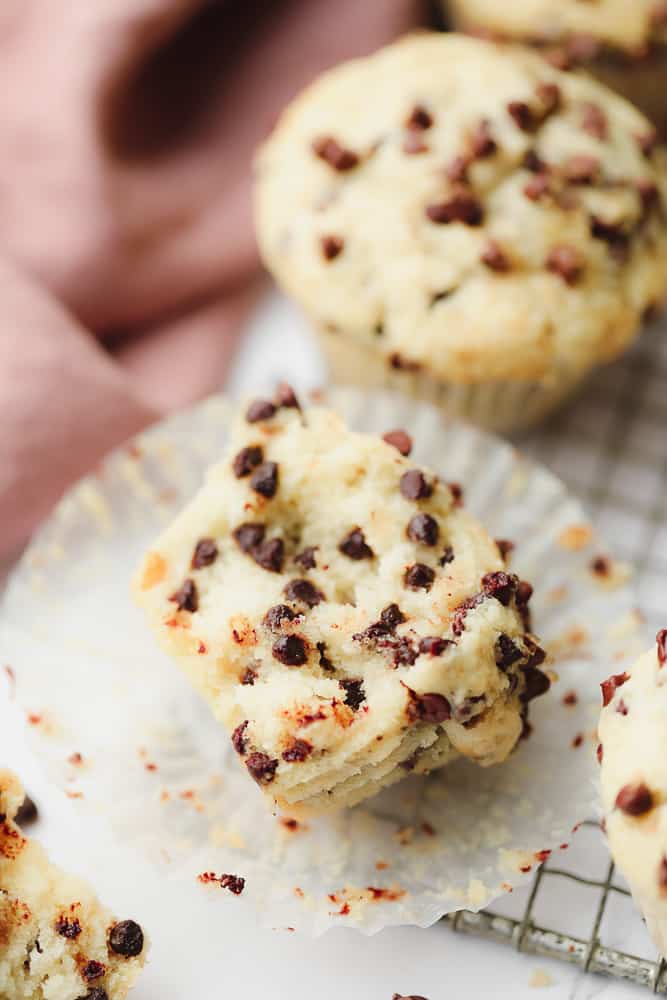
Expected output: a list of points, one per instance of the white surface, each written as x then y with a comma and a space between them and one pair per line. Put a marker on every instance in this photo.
188, 960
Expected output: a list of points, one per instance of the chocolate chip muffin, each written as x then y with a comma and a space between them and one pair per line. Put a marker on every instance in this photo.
346, 620
57, 941
482, 246
632, 750
623, 44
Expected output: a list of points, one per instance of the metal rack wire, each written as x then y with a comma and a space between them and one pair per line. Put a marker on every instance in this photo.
611, 447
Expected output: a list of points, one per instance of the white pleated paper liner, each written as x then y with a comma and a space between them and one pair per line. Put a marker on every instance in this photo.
155, 764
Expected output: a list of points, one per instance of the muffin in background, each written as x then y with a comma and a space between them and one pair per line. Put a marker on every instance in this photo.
623, 44
465, 223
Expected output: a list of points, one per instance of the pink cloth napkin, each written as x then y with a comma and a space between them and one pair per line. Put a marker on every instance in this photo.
127, 257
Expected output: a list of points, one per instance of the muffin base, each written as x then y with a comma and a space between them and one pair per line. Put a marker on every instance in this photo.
500, 406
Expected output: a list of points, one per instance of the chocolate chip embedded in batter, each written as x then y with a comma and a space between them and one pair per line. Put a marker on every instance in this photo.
462, 207
338, 157
533, 161
447, 556
331, 246
186, 597
550, 96
433, 708
93, 970
457, 170
457, 493
97, 993
278, 614
413, 485
391, 616
495, 258
249, 535
648, 141
260, 409
262, 768
264, 479
26, 813
291, 650
566, 262
400, 440
325, 662
648, 193
434, 645
205, 553
609, 686
404, 653
304, 591
68, 928
537, 187
297, 751
248, 677
270, 554
661, 642
662, 874
306, 558
581, 169
420, 118
460, 613
522, 114
401, 363
505, 547
247, 460
635, 799
419, 577
126, 938
424, 529
506, 652
238, 738
354, 692
286, 397
354, 545
482, 143
536, 684
500, 585
594, 121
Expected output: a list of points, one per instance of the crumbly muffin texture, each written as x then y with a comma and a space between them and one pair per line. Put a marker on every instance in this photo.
628, 27
633, 778
344, 617
57, 941
466, 211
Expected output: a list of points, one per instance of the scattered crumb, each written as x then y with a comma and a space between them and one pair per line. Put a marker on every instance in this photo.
540, 977
609, 573
381, 866
570, 698
576, 537
577, 741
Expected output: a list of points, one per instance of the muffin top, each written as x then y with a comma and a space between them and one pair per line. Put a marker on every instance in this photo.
617, 24
58, 941
633, 741
466, 210
335, 605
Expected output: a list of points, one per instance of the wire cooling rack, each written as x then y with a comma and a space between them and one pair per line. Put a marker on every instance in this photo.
611, 449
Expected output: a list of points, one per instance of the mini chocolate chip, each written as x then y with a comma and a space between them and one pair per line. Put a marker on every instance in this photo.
424, 529
260, 409
285, 396
536, 684
524, 592
550, 96
276, 615
433, 708
419, 118
536, 187
206, 552
594, 121
507, 652
234, 883
609, 686
622, 708
413, 485
522, 115
434, 645
635, 799
354, 545
291, 650
238, 738
404, 653
401, 363
447, 556
648, 192
126, 938
305, 591
482, 143
270, 554
264, 479
500, 585
566, 262
599, 753
331, 246
457, 493
329, 149
249, 535
419, 577
460, 613
354, 692
186, 597
298, 751
67, 928
399, 440
661, 642
457, 171
462, 207
398, 996
612, 233
26, 813
495, 258
581, 169
505, 547
533, 162
306, 558
92, 970
248, 677
648, 141
247, 460
261, 767
97, 993
391, 616
325, 662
